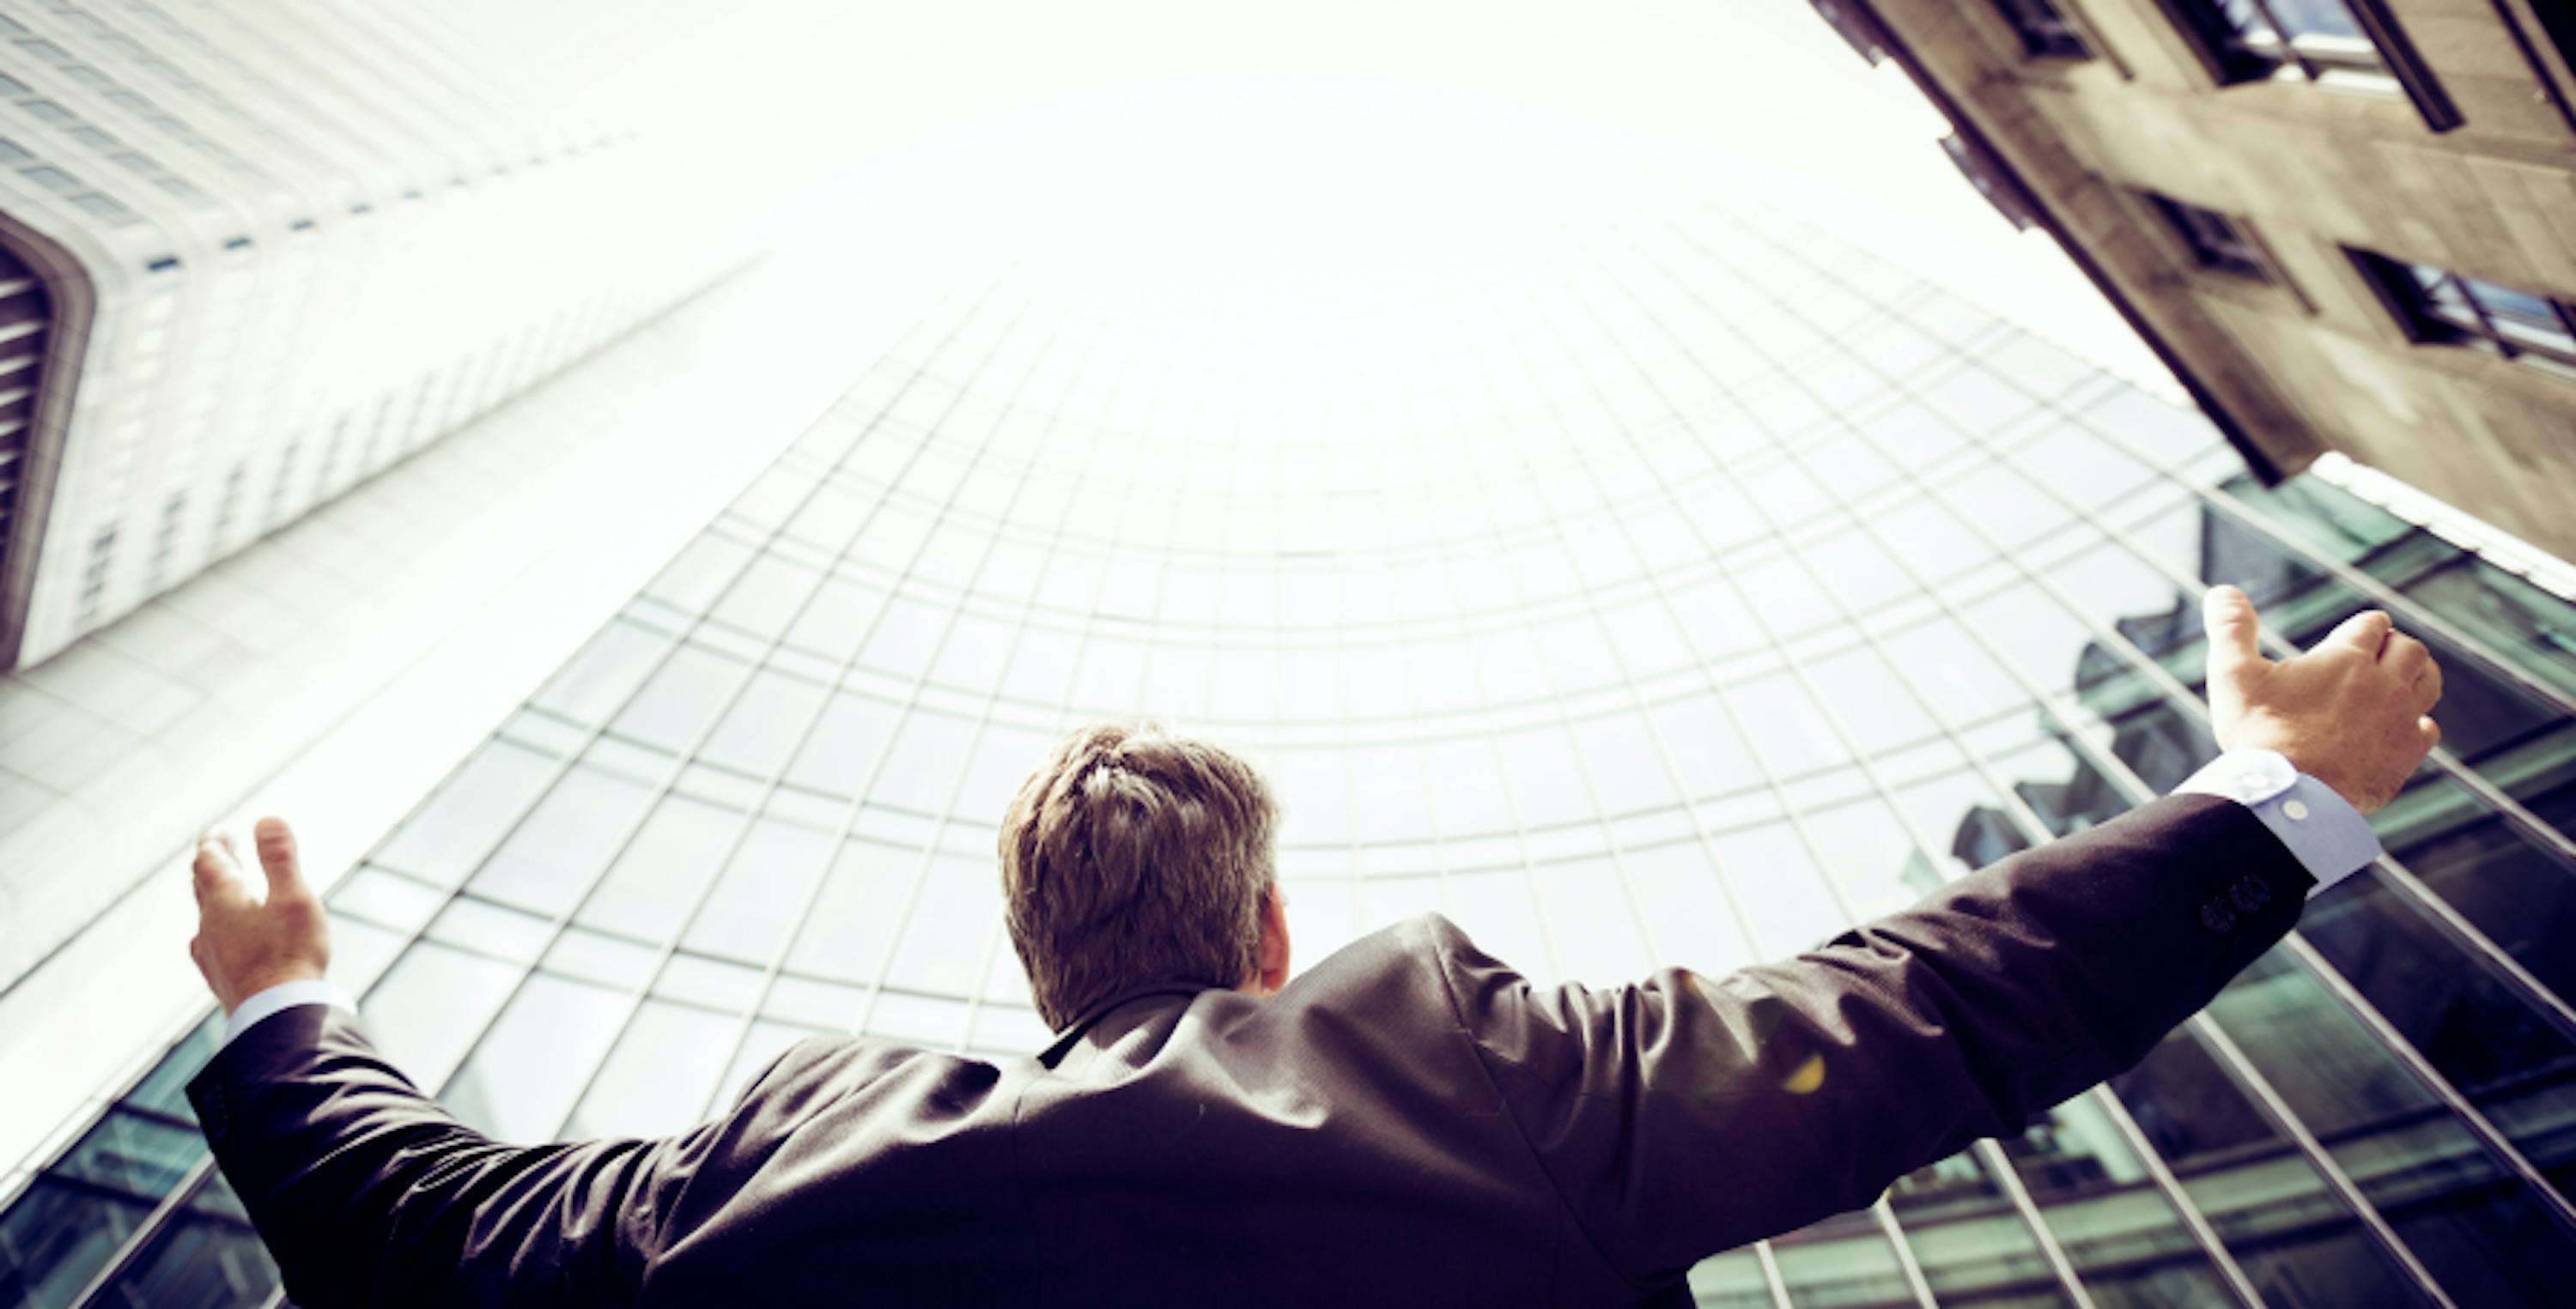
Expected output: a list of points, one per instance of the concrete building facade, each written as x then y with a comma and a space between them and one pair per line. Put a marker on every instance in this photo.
2348, 225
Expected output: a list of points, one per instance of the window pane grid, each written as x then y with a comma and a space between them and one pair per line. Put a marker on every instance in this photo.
2489, 1132
1699, 471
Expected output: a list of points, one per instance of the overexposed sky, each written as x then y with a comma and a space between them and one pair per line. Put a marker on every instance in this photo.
1382, 136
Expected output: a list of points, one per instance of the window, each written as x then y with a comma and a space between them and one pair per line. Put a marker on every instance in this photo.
166, 540
2044, 29
113, 211
102, 548
2438, 306
2255, 39
2558, 19
2214, 239
2341, 42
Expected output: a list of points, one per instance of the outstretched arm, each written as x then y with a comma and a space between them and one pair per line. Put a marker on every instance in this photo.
365, 1190
1691, 1114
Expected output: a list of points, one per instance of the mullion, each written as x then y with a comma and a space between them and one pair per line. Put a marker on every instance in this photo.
1634, 696
2281, 32
1866, 765
753, 813
1442, 853
2486, 321
2186, 1212
560, 923
1725, 887
195, 1177
878, 985
1024, 618
2220, 1044
1989, 1154
1774, 780
2561, 320
2473, 1118
2252, 1081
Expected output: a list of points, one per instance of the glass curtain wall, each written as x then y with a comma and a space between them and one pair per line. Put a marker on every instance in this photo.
1683, 595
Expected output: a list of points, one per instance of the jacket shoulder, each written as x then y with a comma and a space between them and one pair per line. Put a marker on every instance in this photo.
1422, 940
1411, 970
816, 1071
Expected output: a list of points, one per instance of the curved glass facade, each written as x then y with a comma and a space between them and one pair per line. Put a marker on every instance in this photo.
1699, 588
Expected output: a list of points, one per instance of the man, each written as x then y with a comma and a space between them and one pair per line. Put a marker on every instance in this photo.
1408, 1122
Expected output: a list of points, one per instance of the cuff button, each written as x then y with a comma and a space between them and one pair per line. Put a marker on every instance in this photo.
2250, 893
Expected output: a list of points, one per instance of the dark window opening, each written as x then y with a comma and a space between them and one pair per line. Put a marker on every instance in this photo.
2558, 18
2043, 29
2215, 240
2353, 42
2441, 307
2257, 38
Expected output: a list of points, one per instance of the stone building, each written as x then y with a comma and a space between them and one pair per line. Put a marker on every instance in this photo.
2347, 225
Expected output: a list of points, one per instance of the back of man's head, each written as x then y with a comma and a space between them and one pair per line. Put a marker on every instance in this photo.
1134, 856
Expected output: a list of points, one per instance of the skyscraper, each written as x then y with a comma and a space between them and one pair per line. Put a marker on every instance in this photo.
248, 261
1682, 591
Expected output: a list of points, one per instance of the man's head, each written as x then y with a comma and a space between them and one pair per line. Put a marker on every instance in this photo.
1134, 856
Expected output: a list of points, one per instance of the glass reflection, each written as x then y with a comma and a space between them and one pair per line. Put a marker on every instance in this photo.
1527, 666
1844, 1261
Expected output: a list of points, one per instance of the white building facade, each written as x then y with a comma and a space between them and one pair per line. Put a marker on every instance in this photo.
255, 260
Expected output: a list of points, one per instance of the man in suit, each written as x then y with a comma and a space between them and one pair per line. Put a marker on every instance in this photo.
1407, 1122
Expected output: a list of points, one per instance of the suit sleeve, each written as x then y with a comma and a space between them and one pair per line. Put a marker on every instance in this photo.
1689, 1115
367, 1192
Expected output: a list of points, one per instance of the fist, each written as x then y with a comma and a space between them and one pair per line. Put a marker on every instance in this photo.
2349, 713
250, 940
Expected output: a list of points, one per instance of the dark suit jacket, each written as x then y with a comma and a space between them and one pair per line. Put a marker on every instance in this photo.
1408, 1122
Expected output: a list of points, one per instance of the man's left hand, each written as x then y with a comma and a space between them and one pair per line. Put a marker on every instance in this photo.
245, 945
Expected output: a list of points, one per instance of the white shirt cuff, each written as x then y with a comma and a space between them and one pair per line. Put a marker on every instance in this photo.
280, 998
2329, 837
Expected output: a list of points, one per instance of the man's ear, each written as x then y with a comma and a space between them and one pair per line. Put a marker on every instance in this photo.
1271, 973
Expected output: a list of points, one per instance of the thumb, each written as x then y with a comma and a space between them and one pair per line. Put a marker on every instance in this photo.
277, 855
2234, 651
2366, 631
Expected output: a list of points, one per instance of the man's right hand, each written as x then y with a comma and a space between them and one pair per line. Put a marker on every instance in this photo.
2349, 713
245, 945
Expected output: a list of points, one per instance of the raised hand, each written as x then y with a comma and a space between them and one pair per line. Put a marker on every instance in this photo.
2350, 712
246, 944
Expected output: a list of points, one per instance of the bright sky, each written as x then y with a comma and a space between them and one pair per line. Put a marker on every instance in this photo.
1289, 147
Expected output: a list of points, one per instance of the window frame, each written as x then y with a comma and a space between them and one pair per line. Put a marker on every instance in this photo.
2217, 241
2045, 30
2418, 313
2233, 61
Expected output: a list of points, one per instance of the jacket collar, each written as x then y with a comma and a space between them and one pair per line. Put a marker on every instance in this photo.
1074, 1031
